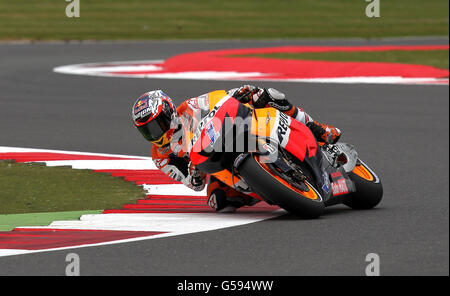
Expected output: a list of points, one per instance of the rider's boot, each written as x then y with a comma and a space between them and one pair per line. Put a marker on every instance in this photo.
224, 199
323, 132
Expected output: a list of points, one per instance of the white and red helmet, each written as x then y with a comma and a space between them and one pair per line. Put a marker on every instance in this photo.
152, 114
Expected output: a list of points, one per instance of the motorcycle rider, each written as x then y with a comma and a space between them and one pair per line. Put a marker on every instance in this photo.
157, 119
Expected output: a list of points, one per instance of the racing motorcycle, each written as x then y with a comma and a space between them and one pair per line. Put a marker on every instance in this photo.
272, 157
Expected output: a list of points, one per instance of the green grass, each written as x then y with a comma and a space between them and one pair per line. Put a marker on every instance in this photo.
34, 188
435, 58
216, 19
10, 221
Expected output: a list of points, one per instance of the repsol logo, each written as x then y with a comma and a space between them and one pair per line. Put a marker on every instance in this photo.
202, 123
283, 125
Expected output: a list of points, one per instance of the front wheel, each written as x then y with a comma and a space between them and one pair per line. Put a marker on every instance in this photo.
369, 190
303, 201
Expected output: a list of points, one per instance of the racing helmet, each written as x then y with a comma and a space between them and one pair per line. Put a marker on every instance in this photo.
152, 114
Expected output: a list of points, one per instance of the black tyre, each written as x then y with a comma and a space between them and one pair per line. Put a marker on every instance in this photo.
369, 190
271, 187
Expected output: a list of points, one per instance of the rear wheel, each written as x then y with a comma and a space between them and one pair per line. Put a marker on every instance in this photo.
302, 200
369, 190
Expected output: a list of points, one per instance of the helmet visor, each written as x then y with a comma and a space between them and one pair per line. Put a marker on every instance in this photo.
155, 129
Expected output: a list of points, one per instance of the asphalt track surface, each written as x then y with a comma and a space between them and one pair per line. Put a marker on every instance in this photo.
402, 131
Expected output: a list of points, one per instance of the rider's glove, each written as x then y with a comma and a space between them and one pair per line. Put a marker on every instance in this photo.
271, 97
247, 93
261, 97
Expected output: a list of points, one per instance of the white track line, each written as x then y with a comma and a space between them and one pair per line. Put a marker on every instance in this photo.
175, 223
125, 164
160, 222
109, 69
174, 189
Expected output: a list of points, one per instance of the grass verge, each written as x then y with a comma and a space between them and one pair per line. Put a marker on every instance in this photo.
35, 188
216, 19
9, 222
